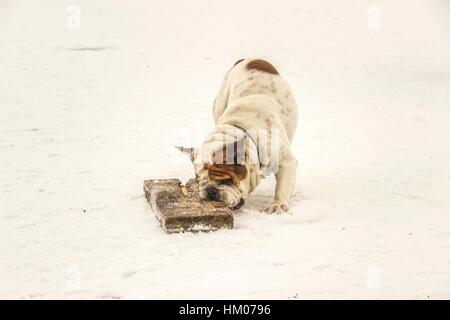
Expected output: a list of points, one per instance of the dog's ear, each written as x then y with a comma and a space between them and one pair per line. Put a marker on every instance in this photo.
190, 152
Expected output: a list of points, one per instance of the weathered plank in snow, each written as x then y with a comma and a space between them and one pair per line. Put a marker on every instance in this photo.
179, 207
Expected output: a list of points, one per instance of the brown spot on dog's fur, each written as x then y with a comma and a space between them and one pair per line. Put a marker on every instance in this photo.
285, 111
247, 92
262, 65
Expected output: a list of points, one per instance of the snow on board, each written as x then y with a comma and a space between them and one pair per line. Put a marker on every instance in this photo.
180, 209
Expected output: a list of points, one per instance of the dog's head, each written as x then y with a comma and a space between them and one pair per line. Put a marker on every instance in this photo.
226, 176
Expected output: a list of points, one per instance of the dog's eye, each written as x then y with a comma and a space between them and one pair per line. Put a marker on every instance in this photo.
227, 182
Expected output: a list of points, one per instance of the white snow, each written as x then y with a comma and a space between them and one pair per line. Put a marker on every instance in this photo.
86, 115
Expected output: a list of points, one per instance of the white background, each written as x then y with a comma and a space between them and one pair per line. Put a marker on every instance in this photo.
87, 114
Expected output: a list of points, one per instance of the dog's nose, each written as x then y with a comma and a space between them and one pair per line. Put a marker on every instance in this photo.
213, 193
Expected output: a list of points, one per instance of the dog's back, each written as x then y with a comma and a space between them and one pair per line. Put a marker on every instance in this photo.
253, 95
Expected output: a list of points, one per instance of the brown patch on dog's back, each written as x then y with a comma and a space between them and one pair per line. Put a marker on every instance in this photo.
262, 65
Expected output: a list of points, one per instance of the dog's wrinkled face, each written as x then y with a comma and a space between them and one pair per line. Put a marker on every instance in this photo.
225, 178
223, 183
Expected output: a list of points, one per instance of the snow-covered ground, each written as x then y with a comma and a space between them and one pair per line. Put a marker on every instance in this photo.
87, 114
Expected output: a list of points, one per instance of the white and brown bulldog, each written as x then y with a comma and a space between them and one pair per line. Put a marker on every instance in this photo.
256, 116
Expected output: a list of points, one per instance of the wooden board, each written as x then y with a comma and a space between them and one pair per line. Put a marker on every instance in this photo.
179, 208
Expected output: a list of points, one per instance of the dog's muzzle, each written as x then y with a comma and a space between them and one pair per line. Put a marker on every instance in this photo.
213, 193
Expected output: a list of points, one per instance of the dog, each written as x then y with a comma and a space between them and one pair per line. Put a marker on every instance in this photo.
255, 115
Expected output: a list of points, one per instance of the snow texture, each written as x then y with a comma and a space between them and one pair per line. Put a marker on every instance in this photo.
91, 107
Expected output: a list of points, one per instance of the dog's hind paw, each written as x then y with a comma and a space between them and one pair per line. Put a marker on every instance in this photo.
276, 208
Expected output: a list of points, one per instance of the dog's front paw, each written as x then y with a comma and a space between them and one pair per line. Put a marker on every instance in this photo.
276, 208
